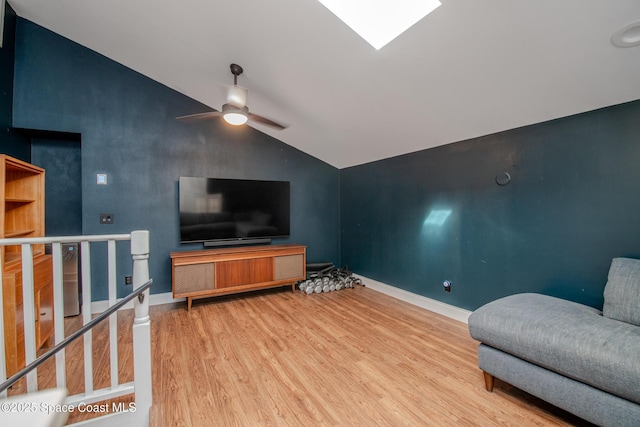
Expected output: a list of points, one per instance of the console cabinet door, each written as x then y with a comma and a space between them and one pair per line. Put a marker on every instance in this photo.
244, 272
289, 267
193, 278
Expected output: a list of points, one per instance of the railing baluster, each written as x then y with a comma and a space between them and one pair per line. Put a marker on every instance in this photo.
113, 319
28, 307
86, 317
58, 312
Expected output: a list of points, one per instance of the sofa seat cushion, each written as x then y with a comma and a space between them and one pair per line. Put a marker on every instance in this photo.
571, 339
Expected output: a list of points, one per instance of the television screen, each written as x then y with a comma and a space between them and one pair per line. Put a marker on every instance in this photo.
232, 209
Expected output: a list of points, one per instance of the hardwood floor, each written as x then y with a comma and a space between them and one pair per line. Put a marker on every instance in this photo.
354, 357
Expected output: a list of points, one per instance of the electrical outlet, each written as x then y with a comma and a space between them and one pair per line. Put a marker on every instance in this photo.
128, 280
447, 285
106, 218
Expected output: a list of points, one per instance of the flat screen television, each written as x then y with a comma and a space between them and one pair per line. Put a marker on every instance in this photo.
227, 211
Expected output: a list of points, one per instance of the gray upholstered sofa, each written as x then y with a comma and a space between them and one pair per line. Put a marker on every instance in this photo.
576, 357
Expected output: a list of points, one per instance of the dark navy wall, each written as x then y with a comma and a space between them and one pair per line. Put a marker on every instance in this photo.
12, 142
128, 130
571, 206
62, 162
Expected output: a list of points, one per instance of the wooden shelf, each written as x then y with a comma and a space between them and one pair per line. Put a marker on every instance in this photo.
16, 200
14, 259
22, 189
11, 234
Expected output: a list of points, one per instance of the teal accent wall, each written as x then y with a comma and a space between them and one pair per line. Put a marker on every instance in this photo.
411, 221
61, 159
572, 205
12, 142
128, 130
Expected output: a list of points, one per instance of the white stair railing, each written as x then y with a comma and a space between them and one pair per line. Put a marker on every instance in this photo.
127, 415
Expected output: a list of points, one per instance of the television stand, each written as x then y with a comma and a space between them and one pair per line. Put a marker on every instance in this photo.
224, 271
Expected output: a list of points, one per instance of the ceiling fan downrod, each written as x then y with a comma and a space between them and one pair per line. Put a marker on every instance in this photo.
236, 70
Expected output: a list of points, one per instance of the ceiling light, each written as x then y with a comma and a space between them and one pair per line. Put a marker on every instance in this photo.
235, 116
380, 21
627, 36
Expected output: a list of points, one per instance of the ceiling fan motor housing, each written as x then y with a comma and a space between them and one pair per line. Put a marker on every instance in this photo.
229, 108
237, 96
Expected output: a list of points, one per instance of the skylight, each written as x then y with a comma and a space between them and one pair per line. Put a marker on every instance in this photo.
380, 21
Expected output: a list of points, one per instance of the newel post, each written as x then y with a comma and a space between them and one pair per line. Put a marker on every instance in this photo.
141, 326
140, 255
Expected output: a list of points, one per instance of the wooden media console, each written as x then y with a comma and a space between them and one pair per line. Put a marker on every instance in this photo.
223, 271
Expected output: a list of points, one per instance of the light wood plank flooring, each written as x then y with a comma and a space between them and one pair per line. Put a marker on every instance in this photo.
349, 358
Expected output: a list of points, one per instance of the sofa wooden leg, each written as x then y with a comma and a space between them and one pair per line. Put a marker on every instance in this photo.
488, 381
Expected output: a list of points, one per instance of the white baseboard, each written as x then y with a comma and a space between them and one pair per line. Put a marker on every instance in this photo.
155, 299
436, 306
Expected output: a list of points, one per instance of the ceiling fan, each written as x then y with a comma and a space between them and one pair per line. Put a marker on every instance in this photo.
235, 111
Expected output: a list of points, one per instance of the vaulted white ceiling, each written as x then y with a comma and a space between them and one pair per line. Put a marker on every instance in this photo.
468, 69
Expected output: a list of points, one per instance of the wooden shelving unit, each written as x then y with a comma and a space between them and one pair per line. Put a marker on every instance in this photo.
22, 215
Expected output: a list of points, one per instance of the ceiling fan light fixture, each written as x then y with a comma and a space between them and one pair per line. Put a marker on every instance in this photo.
235, 116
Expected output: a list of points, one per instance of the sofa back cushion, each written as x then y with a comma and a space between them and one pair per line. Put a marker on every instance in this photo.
622, 292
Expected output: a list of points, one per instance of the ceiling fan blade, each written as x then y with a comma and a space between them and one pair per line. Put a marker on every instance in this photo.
199, 116
263, 120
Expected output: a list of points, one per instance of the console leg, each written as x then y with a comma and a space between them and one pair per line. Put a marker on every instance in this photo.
189, 299
488, 381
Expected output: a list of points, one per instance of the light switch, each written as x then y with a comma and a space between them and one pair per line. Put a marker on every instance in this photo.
101, 179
